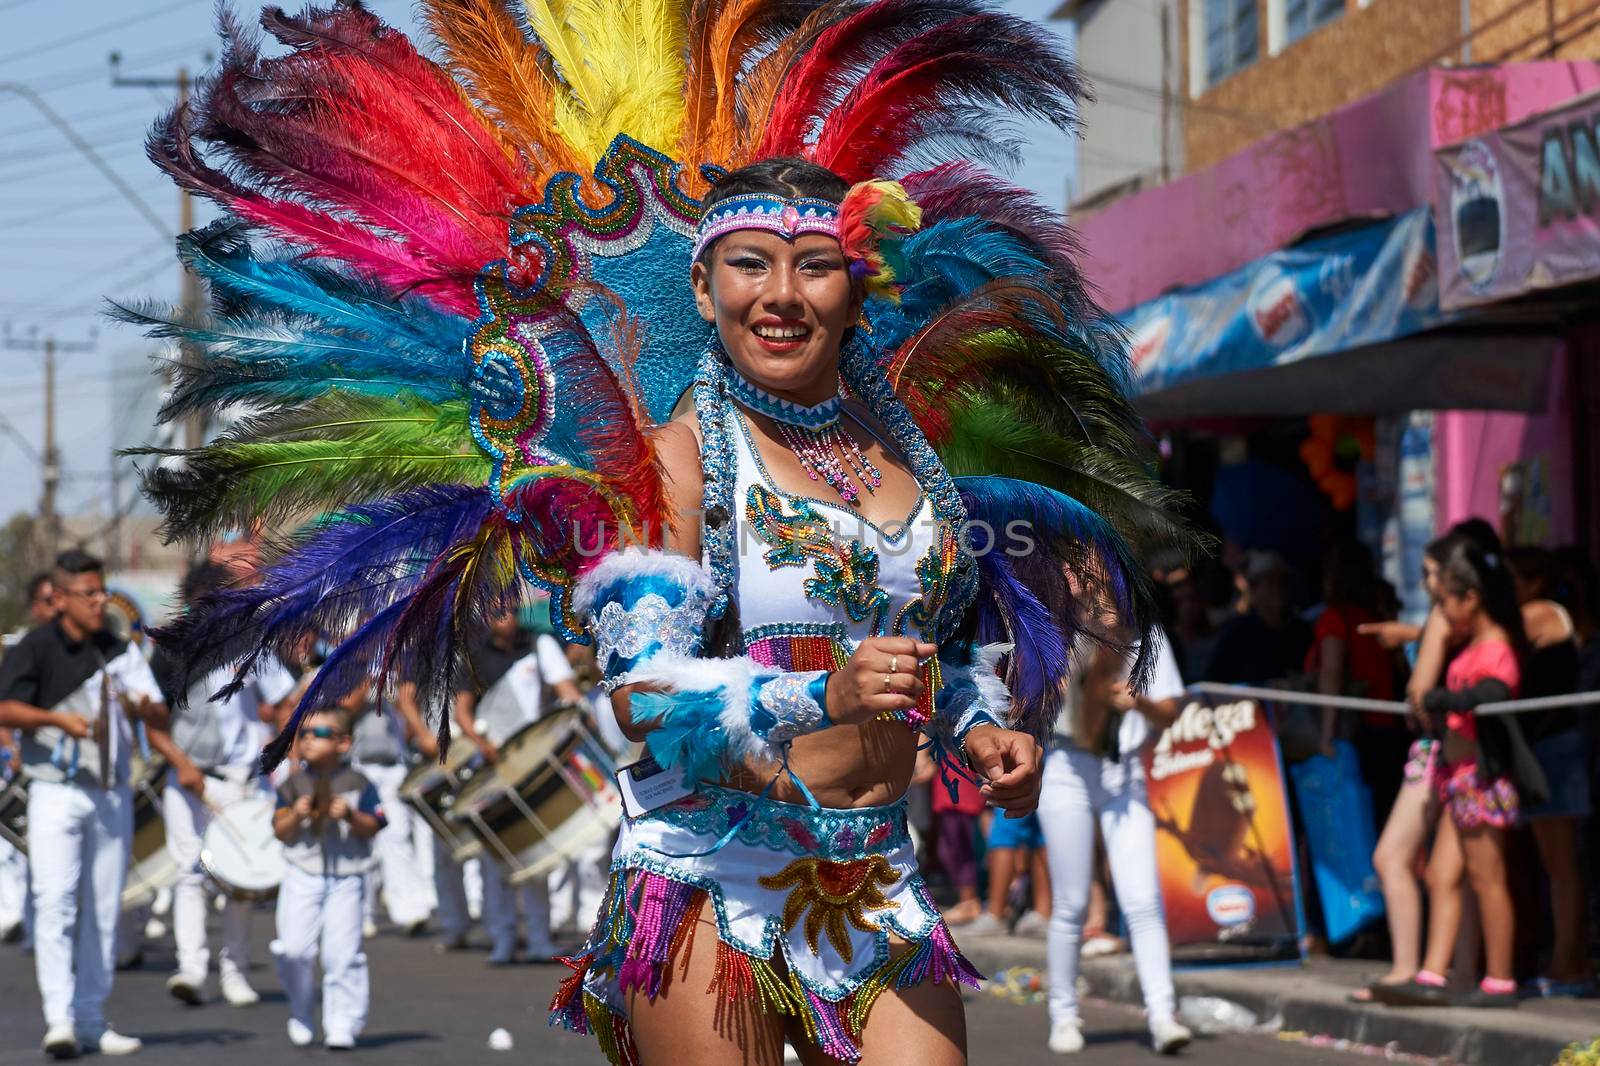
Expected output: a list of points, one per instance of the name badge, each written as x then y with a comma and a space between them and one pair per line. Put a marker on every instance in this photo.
646, 785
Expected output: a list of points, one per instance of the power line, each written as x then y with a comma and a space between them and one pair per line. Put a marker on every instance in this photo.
83, 35
78, 76
34, 127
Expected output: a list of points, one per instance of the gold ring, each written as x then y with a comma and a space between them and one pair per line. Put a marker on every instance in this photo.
894, 664
886, 679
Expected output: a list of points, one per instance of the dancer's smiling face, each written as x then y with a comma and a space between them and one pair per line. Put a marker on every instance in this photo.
781, 307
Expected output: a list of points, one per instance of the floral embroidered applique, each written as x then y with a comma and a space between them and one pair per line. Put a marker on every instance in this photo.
846, 574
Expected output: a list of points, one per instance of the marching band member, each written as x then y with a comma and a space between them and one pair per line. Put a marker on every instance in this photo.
72, 687
327, 816
378, 752
211, 749
16, 909
510, 670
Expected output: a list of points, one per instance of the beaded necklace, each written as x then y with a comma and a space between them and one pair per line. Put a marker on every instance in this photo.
813, 434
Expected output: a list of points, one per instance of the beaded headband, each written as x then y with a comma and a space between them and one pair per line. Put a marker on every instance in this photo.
763, 211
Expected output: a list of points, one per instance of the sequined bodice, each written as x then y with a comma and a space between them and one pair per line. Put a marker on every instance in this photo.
808, 567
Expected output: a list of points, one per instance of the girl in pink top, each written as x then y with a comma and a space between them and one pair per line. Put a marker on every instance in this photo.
1471, 776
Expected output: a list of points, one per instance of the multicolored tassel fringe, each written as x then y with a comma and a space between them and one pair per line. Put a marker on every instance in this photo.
648, 920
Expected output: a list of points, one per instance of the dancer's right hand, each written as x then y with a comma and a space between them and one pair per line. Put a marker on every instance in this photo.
858, 692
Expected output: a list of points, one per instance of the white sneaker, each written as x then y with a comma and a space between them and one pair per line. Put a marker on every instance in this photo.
300, 1034
339, 1042
155, 929
60, 1042
1168, 1036
237, 991
1066, 1038
369, 929
112, 1042
1032, 924
185, 988
985, 924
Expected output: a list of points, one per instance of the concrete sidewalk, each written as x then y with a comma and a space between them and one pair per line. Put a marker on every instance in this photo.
1313, 998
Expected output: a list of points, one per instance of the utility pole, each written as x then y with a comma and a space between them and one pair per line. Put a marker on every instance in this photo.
189, 299
49, 533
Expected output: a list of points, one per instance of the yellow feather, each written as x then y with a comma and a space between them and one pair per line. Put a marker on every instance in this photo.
623, 61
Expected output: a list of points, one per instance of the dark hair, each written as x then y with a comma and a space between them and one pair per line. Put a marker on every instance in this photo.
1475, 531
203, 579
34, 584
1464, 567
337, 713
1537, 566
788, 176
72, 561
1347, 569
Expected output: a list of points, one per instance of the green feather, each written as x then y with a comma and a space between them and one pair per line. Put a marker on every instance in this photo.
337, 449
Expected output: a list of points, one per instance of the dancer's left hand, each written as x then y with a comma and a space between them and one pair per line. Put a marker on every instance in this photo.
1010, 764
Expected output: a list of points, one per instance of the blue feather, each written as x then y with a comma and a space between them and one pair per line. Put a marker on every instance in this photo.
688, 732
1027, 577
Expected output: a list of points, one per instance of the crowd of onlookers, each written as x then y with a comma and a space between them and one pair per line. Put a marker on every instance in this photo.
1485, 823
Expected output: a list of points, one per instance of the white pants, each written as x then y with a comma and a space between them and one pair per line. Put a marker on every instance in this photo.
186, 819
500, 901
577, 888
13, 884
320, 915
1079, 788
78, 843
407, 890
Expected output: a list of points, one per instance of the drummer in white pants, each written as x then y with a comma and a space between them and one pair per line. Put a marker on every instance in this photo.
513, 674
578, 886
71, 687
378, 752
1094, 775
212, 747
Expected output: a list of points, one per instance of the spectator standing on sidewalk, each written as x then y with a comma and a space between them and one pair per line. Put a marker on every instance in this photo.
1478, 769
1551, 669
1268, 641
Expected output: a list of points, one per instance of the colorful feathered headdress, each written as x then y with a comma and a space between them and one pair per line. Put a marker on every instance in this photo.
448, 299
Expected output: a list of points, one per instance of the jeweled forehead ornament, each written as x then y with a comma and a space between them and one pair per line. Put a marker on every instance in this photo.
774, 214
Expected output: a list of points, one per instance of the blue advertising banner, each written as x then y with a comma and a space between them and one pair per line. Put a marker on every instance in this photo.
1366, 286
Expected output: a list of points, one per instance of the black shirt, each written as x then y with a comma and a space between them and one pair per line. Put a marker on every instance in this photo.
489, 662
1250, 652
47, 666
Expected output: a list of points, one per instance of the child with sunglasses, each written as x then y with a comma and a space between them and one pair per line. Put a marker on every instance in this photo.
327, 816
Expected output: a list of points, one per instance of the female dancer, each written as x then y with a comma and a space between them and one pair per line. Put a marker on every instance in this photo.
1093, 776
751, 510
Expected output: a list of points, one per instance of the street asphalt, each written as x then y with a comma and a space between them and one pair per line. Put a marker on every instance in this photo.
437, 1009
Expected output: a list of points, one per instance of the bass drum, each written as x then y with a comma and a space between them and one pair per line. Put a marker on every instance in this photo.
432, 786
240, 852
551, 797
14, 812
150, 865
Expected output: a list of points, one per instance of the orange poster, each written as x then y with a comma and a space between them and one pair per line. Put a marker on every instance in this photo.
1224, 846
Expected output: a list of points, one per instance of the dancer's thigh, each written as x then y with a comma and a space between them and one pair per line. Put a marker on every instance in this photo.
924, 1024
687, 1024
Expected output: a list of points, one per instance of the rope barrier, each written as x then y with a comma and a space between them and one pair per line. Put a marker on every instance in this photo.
1355, 703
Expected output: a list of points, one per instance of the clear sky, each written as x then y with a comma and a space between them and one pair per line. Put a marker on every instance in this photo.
68, 239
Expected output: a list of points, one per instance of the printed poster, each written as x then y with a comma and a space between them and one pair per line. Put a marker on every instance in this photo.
1224, 846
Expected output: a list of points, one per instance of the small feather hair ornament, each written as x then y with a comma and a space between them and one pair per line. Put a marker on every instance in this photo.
873, 217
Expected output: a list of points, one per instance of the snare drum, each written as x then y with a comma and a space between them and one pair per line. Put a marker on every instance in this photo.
431, 789
550, 798
150, 865
240, 852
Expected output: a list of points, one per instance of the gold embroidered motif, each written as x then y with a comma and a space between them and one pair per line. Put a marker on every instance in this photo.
829, 894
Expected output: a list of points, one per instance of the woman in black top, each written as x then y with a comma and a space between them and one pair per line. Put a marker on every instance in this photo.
1551, 669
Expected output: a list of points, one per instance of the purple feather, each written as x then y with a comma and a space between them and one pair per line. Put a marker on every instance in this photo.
349, 567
